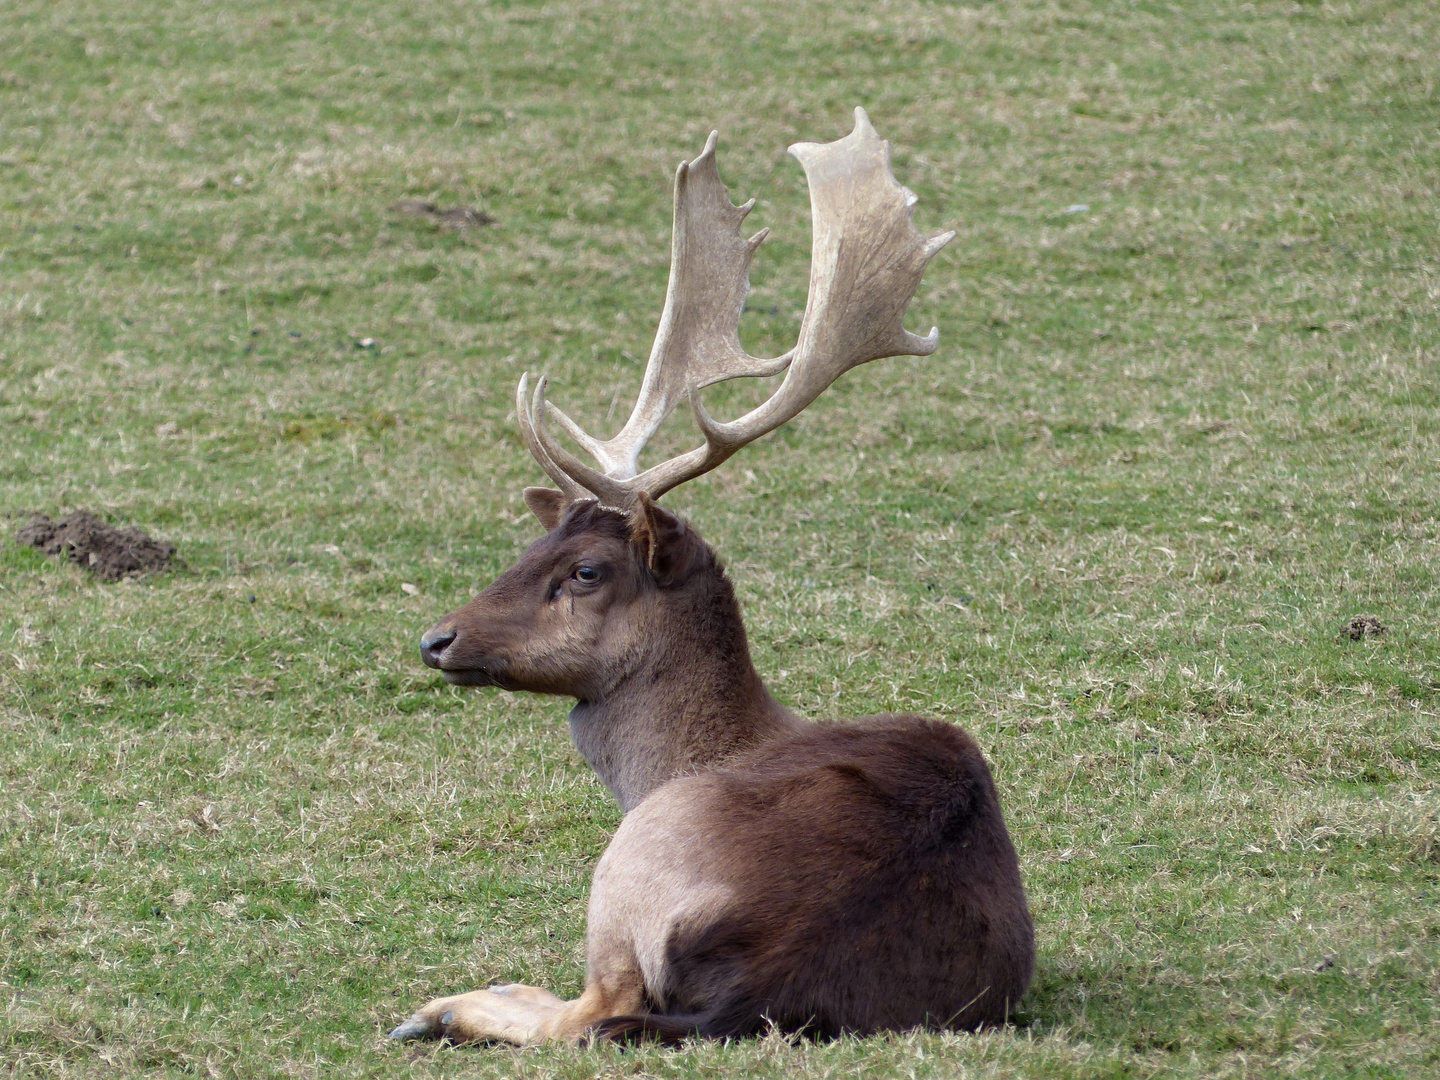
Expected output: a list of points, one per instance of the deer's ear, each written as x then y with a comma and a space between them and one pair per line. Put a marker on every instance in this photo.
546, 504
667, 545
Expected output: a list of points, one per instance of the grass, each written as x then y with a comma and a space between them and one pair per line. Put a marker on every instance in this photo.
1171, 443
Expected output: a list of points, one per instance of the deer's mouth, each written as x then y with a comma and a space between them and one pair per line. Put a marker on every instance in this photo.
477, 676
470, 677
443, 650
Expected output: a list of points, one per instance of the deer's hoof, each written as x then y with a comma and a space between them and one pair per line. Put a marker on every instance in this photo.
421, 1026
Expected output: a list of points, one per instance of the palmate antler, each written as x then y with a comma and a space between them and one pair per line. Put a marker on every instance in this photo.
866, 262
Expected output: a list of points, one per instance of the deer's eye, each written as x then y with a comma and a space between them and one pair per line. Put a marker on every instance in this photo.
587, 575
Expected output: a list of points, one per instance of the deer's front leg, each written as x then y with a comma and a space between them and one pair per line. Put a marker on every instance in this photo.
510, 1013
521, 1014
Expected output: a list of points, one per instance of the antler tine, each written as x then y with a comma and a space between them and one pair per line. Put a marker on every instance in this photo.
524, 413
580, 480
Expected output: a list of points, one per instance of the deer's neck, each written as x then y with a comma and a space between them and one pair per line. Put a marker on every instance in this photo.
692, 702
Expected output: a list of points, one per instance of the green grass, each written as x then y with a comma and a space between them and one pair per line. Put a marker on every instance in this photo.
1169, 446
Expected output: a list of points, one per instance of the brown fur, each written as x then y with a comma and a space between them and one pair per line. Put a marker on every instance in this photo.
848, 877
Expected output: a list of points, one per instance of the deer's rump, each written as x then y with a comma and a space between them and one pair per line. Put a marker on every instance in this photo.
870, 883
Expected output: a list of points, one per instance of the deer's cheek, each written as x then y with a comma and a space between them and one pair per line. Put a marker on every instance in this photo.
563, 637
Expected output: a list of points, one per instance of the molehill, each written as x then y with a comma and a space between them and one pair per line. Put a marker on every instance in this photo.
107, 552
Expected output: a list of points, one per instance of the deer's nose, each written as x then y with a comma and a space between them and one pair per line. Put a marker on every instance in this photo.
433, 646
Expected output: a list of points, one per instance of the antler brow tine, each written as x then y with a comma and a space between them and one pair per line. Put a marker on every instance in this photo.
866, 262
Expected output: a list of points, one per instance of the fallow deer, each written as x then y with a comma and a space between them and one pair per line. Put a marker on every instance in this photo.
769, 870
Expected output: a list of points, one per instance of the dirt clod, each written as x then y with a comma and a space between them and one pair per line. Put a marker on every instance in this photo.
456, 217
1363, 626
107, 552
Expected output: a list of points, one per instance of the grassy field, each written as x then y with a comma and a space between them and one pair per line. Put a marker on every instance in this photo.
1183, 425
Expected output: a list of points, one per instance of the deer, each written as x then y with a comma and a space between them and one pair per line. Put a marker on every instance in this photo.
769, 871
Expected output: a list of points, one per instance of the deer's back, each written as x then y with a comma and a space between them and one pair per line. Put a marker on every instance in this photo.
868, 882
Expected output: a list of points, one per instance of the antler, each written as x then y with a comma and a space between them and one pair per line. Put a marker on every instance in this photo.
866, 262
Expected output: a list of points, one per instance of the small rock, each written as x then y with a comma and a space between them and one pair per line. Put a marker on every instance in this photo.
1077, 208
408, 589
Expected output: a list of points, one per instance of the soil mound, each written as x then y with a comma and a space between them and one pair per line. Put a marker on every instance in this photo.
1363, 626
107, 552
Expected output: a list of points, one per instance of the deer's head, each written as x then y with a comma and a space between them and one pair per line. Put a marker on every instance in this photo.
569, 617
578, 612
